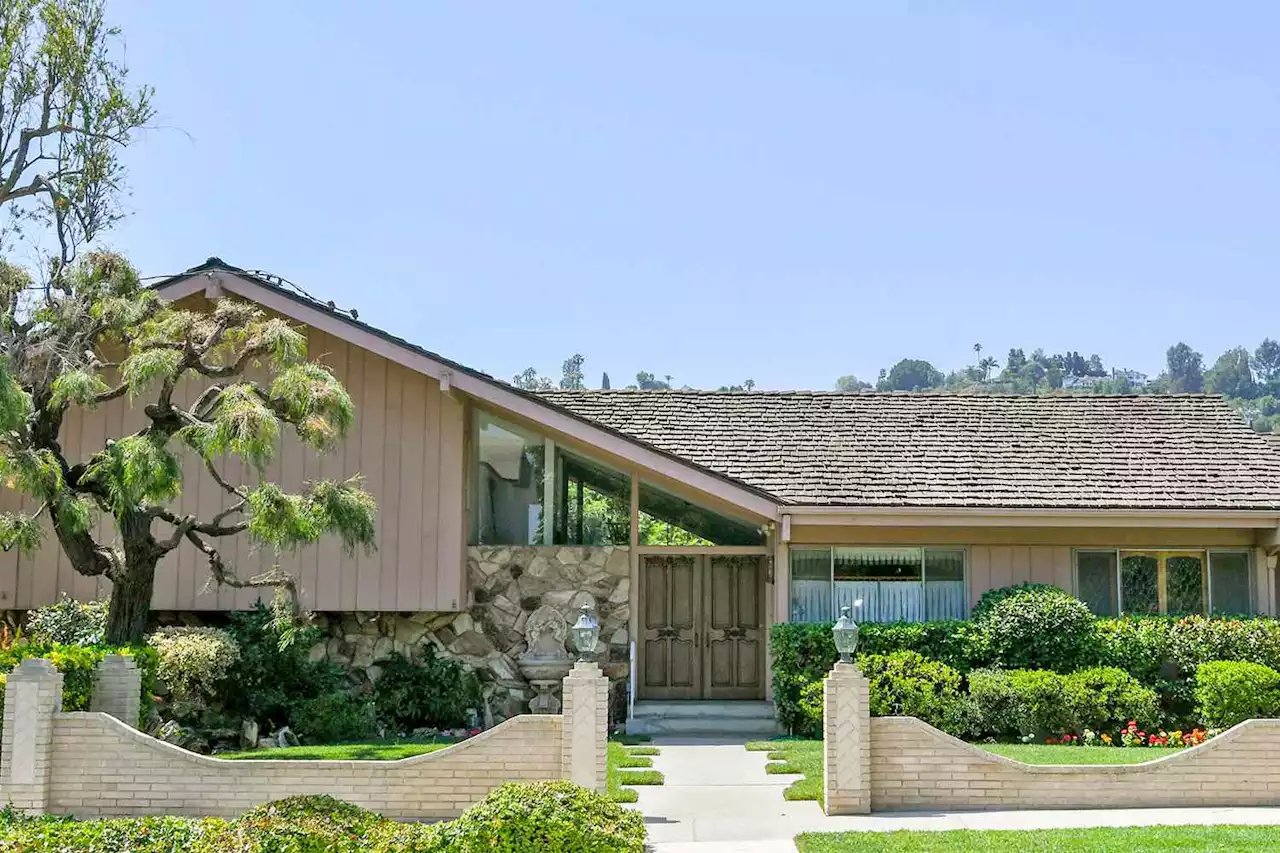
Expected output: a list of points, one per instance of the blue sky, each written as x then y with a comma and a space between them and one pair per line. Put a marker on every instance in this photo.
724, 190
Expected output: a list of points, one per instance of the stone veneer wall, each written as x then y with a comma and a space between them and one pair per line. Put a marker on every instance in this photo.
505, 584
915, 766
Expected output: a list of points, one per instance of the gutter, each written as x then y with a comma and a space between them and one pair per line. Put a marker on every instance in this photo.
881, 516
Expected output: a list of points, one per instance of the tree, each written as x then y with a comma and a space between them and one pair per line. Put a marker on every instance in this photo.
66, 111
529, 380
911, 374
58, 354
1185, 369
747, 385
646, 381
1232, 375
1266, 361
572, 378
987, 365
604, 382
852, 383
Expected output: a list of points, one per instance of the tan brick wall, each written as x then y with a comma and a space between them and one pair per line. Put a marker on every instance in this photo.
915, 766
102, 767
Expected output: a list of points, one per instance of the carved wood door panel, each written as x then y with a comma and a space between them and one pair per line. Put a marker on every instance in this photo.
733, 655
671, 594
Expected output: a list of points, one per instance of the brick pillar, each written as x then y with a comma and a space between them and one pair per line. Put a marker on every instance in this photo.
846, 734
117, 689
585, 718
32, 697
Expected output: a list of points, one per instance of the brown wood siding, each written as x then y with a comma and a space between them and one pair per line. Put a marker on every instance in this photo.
408, 445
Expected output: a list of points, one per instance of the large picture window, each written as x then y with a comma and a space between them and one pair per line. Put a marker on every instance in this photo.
892, 584
1176, 583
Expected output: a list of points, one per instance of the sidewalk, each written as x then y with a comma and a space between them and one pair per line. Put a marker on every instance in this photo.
718, 799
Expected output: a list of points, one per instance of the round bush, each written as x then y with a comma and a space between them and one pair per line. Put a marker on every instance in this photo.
541, 816
1105, 698
911, 685
1230, 692
333, 718
998, 711
1041, 629
992, 597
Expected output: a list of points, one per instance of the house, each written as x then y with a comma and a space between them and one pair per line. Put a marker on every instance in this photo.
693, 520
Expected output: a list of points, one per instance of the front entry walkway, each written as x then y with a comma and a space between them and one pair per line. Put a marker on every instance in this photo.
718, 799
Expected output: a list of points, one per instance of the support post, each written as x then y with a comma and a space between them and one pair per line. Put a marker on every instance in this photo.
584, 753
32, 698
846, 734
117, 689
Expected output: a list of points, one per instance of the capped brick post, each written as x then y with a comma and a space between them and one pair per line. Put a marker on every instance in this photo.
32, 697
117, 689
846, 735
586, 727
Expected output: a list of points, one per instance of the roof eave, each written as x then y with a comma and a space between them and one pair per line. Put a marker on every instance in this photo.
882, 516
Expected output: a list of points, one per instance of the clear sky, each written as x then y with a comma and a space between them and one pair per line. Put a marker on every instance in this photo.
722, 190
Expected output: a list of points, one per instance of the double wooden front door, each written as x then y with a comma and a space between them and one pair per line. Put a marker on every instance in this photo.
702, 627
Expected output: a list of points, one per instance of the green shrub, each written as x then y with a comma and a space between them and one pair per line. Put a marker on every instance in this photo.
194, 664
909, 684
1041, 629
992, 597
433, 693
998, 711
68, 622
809, 722
77, 664
543, 816
134, 835
272, 677
1230, 692
1043, 707
1105, 698
334, 717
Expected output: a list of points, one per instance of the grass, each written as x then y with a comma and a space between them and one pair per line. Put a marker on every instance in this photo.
371, 750
629, 766
1033, 753
1183, 839
805, 757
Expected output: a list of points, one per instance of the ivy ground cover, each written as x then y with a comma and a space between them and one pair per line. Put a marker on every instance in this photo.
1184, 839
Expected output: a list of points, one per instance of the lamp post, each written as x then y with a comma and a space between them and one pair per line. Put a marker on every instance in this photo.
845, 632
585, 632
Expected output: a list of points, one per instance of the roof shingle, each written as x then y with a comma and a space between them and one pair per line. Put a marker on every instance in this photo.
1176, 452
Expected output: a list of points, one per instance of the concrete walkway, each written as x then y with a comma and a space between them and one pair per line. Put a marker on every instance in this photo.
718, 799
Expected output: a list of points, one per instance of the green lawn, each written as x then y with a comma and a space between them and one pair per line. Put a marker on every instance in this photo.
372, 750
805, 757
629, 766
1185, 839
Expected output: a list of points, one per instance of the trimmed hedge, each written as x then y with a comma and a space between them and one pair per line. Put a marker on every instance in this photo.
1162, 653
1038, 702
528, 818
1230, 692
77, 663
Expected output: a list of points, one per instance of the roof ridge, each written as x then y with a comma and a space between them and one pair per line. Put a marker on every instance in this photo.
1055, 395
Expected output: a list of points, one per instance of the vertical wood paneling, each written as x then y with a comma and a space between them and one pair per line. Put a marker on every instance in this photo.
1063, 571
430, 499
372, 438
1001, 566
450, 531
353, 379
1020, 564
389, 542
1041, 564
332, 467
979, 572
410, 563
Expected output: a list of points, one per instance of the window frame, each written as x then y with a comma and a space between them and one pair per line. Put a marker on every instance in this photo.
964, 550
1163, 553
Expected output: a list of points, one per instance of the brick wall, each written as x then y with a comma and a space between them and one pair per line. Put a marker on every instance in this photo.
915, 766
101, 767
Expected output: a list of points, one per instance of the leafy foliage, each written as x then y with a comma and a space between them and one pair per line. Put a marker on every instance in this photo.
992, 597
1040, 628
433, 693
194, 664
1230, 692
542, 816
68, 622
77, 664
334, 718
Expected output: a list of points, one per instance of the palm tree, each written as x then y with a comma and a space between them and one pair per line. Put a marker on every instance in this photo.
987, 365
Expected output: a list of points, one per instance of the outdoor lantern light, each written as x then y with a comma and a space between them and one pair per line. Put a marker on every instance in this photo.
585, 633
846, 635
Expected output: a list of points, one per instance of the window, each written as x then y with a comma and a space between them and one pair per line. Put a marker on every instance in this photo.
666, 519
1176, 583
891, 584
518, 475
